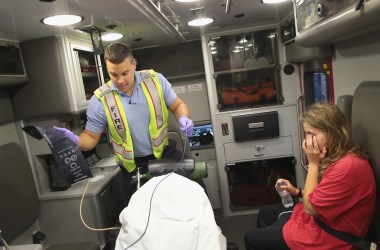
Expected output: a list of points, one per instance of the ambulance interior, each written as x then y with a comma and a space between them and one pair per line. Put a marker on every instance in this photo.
246, 78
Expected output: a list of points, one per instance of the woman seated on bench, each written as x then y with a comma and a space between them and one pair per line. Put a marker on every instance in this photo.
340, 190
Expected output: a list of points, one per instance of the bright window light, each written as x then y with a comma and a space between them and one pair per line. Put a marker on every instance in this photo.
200, 21
111, 36
273, 1
62, 20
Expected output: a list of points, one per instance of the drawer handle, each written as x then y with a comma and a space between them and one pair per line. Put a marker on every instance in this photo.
259, 147
254, 125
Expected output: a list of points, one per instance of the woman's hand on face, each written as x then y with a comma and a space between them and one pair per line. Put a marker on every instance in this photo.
311, 148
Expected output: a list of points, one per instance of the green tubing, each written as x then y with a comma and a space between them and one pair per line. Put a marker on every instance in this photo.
200, 171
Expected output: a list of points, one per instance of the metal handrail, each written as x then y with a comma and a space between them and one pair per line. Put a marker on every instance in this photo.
300, 134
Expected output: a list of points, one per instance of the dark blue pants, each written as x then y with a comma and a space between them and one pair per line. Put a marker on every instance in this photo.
268, 235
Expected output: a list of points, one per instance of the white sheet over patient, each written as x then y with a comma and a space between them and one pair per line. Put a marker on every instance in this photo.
181, 218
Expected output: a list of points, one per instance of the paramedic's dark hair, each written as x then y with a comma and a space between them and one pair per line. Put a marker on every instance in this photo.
117, 52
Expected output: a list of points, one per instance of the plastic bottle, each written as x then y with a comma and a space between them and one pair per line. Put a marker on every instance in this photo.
286, 198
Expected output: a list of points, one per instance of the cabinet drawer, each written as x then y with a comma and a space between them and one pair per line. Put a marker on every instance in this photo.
240, 151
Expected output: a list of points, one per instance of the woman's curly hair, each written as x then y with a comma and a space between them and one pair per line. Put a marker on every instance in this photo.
329, 119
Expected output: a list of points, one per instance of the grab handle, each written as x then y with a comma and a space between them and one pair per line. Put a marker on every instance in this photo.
300, 134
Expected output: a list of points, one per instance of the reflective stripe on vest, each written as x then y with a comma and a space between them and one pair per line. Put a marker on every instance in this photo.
120, 135
118, 124
158, 125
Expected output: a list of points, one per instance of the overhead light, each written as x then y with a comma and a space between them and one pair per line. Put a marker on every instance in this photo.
111, 37
201, 21
62, 20
273, 1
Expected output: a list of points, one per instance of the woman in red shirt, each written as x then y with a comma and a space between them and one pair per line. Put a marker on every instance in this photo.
340, 190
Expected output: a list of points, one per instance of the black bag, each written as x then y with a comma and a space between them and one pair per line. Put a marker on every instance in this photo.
56, 179
361, 243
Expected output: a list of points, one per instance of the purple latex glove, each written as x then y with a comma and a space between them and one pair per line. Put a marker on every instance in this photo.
68, 134
186, 125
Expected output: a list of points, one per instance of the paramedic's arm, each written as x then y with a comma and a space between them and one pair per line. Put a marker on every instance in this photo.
314, 155
178, 108
88, 140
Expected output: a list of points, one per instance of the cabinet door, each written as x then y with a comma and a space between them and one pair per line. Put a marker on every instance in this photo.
246, 69
56, 85
251, 150
85, 72
311, 12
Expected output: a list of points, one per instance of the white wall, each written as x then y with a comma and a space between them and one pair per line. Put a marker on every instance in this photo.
355, 61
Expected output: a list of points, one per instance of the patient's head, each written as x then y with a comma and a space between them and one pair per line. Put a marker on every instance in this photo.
331, 121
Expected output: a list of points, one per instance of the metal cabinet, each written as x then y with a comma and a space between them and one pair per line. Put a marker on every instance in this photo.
246, 69
253, 150
324, 22
311, 12
248, 168
101, 208
63, 73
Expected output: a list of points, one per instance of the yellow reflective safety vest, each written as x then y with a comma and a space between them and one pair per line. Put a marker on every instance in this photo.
118, 123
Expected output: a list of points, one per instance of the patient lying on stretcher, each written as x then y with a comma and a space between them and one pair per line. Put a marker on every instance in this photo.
179, 217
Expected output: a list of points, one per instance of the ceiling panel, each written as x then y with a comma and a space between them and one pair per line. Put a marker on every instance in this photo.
20, 19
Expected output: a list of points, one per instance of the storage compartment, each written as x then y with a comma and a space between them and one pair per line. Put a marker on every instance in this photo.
256, 126
325, 22
249, 89
288, 30
65, 68
12, 70
246, 67
311, 12
89, 71
100, 209
251, 184
184, 59
238, 151
110, 201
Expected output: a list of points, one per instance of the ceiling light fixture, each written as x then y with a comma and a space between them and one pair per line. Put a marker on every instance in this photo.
108, 37
201, 21
273, 1
62, 20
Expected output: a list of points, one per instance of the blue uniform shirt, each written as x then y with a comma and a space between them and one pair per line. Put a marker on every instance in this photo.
137, 114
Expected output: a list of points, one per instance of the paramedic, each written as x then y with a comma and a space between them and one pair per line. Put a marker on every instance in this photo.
134, 105
339, 190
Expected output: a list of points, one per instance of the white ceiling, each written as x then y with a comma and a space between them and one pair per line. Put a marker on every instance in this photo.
20, 19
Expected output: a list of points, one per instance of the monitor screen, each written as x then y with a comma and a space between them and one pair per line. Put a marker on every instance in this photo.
202, 136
